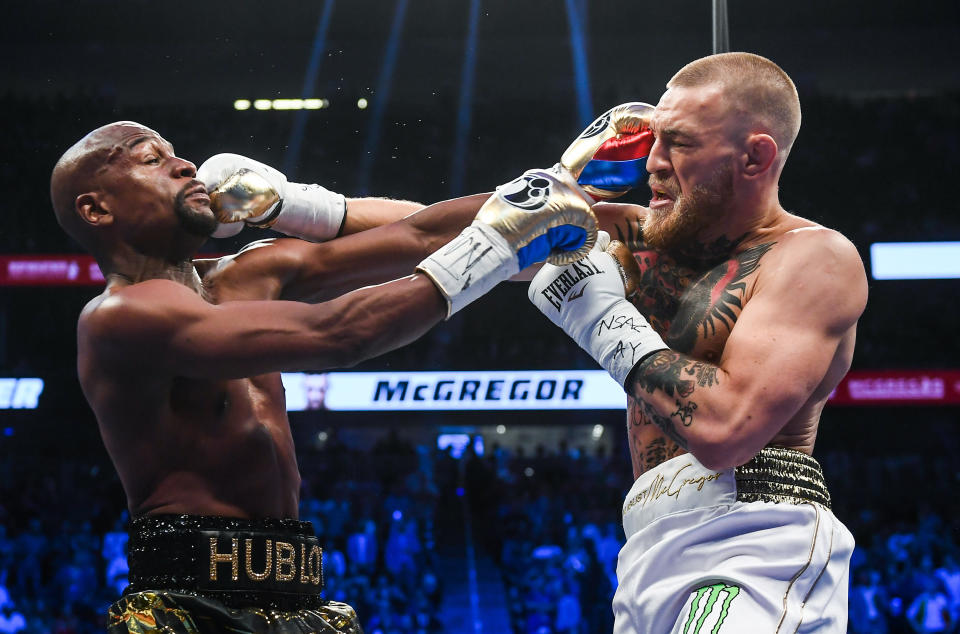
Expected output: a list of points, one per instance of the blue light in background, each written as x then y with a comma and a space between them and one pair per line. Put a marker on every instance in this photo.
915, 260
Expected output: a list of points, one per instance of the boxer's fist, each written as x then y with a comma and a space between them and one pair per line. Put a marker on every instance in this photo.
587, 299
609, 158
527, 220
243, 191
541, 218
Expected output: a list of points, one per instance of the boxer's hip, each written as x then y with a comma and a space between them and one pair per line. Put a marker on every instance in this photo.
263, 563
683, 484
187, 613
763, 533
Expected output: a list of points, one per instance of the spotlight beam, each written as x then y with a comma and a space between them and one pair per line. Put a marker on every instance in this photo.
292, 157
465, 106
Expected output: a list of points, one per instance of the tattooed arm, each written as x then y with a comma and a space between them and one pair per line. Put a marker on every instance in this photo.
622, 221
784, 344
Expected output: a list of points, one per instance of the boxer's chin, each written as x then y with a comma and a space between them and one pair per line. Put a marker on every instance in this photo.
197, 222
675, 228
671, 229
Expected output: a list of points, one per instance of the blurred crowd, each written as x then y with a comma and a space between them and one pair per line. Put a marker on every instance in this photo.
554, 529
62, 564
548, 519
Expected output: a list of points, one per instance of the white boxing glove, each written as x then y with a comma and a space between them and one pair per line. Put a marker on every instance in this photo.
246, 192
588, 300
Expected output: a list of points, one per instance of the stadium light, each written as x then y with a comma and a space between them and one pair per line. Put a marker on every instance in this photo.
282, 104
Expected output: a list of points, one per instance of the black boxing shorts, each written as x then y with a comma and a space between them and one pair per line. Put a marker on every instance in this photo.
198, 574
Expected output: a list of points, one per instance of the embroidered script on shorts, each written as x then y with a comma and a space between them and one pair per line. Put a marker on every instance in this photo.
659, 487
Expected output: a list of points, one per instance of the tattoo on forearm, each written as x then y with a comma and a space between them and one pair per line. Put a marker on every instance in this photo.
706, 374
648, 451
684, 412
630, 234
677, 376
650, 415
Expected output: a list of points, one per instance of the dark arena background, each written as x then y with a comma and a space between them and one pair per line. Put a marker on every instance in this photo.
443, 506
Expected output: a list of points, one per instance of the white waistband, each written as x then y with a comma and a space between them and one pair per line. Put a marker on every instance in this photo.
679, 484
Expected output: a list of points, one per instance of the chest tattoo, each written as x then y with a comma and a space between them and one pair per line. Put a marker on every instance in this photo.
693, 299
686, 301
713, 299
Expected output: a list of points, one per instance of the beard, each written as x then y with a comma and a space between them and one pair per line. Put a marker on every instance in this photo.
676, 229
192, 221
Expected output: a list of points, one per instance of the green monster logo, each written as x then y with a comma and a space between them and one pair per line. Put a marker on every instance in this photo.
706, 602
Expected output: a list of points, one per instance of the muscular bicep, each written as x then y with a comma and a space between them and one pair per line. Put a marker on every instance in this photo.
792, 334
789, 334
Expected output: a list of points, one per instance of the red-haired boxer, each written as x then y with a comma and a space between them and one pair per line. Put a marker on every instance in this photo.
743, 322
180, 358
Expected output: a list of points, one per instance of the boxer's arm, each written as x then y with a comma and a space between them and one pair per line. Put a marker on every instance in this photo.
777, 354
623, 221
167, 327
305, 271
367, 213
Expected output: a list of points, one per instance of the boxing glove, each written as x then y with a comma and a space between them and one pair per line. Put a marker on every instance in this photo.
609, 158
534, 217
588, 300
246, 192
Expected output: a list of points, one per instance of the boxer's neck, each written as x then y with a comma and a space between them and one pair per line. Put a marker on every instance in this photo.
132, 268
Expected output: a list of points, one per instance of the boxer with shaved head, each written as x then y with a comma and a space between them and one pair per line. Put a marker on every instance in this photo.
180, 359
740, 322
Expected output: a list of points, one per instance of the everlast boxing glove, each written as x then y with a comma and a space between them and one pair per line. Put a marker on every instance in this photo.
587, 298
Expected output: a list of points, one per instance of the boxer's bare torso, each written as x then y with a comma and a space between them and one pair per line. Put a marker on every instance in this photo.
694, 303
224, 447
188, 445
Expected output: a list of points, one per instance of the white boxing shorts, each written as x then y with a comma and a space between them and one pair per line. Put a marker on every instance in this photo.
754, 549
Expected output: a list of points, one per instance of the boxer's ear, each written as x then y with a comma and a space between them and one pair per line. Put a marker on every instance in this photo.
761, 150
92, 209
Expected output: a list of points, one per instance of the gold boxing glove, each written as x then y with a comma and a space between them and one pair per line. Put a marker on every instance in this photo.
542, 218
609, 158
532, 218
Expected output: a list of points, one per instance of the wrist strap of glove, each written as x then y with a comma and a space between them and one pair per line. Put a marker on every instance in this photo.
310, 212
470, 265
620, 339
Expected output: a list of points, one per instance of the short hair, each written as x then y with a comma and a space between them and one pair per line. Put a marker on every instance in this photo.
754, 85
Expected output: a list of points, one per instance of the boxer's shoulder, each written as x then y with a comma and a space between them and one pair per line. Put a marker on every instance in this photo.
122, 313
257, 271
816, 267
801, 245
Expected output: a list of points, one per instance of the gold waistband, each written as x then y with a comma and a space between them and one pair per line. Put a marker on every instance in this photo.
782, 475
